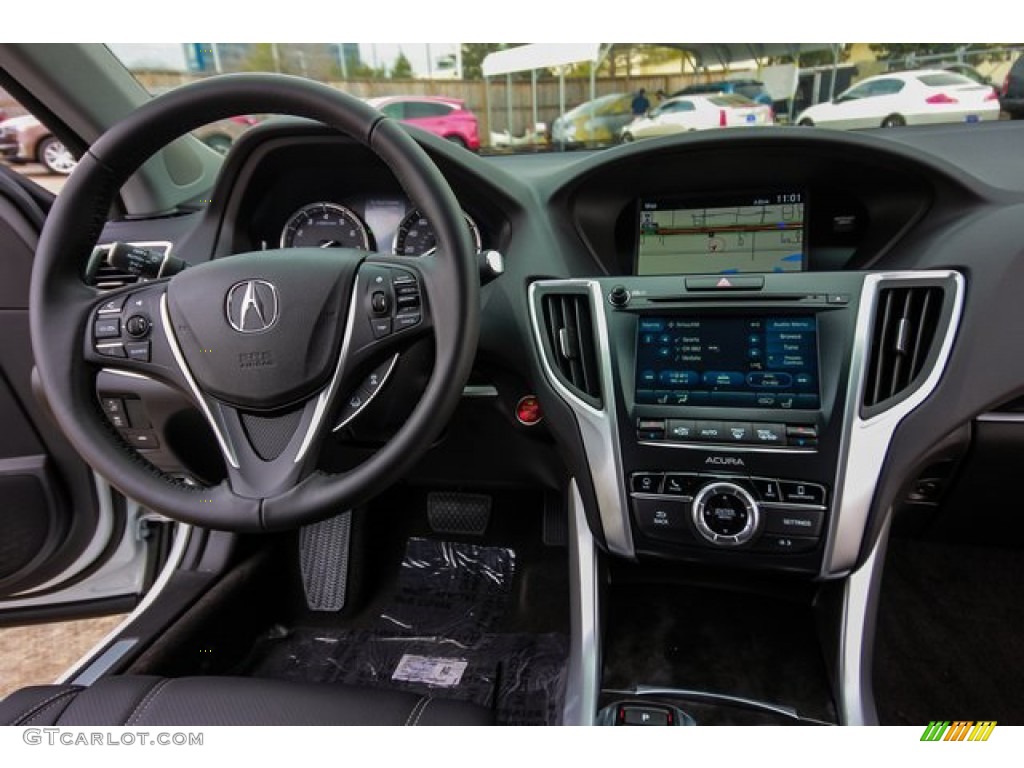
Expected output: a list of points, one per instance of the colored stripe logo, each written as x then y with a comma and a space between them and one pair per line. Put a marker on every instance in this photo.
960, 730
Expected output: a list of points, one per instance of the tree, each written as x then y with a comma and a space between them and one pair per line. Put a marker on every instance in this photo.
402, 70
908, 52
260, 59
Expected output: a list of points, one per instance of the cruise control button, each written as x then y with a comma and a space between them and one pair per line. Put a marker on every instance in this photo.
785, 545
140, 439
802, 493
647, 482
662, 518
796, 522
107, 328
114, 408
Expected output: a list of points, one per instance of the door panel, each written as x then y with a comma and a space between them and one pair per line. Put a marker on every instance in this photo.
49, 513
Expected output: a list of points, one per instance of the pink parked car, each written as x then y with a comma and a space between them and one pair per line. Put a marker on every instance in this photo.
446, 117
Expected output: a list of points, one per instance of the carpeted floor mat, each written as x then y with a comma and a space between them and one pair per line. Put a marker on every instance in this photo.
950, 634
436, 635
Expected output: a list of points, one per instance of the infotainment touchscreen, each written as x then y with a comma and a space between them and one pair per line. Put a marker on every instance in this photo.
762, 361
742, 233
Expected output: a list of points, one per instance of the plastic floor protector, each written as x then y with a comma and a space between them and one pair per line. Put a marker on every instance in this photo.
437, 636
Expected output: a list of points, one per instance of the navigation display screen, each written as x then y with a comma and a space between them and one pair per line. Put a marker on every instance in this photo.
726, 235
730, 362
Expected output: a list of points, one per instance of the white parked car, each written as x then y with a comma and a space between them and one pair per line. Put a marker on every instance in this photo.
695, 113
916, 97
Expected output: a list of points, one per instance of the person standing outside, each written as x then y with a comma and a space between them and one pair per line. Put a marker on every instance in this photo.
640, 103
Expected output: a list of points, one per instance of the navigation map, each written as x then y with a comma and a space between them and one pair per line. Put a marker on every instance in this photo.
722, 240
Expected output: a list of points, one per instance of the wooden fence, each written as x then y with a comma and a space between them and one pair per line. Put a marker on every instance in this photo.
511, 108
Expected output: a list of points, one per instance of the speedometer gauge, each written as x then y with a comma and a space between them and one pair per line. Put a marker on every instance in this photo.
325, 225
415, 236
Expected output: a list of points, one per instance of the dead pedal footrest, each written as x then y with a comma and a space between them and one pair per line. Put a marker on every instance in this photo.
323, 558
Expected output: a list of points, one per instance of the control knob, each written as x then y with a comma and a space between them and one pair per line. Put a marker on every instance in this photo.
725, 514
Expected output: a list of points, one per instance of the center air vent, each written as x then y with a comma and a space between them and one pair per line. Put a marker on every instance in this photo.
572, 350
904, 331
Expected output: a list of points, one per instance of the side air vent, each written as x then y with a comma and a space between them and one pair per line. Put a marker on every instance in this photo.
102, 275
906, 321
570, 337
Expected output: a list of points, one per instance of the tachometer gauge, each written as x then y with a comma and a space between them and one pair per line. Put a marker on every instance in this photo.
415, 236
325, 225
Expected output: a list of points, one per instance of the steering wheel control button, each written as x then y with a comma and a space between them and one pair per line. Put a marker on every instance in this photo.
107, 328
785, 545
647, 482
137, 416
138, 350
381, 327
111, 306
767, 489
141, 439
380, 303
113, 407
725, 514
111, 349
663, 519
794, 522
404, 321
802, 493
137, 326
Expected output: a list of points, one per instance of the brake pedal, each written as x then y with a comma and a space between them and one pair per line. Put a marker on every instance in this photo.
461, 513
323, 558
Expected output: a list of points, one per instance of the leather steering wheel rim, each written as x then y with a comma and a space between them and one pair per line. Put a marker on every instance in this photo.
62, 305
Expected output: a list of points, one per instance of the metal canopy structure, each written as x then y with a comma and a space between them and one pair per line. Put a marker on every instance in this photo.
704, 55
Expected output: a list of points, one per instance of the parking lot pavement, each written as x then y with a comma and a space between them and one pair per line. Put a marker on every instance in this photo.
37, 655
41, 176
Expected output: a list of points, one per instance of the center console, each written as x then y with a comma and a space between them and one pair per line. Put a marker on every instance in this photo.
742, 419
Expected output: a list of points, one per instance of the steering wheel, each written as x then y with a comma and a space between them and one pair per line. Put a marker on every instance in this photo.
263, 343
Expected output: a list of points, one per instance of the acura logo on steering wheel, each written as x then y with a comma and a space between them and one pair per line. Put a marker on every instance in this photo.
252, 306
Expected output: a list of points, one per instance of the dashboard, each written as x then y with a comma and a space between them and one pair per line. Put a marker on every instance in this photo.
329, 193
744, 344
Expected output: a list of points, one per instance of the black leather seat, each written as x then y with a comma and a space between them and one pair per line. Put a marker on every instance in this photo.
142, 700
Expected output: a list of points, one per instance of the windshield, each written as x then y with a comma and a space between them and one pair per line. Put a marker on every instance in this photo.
504, 97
